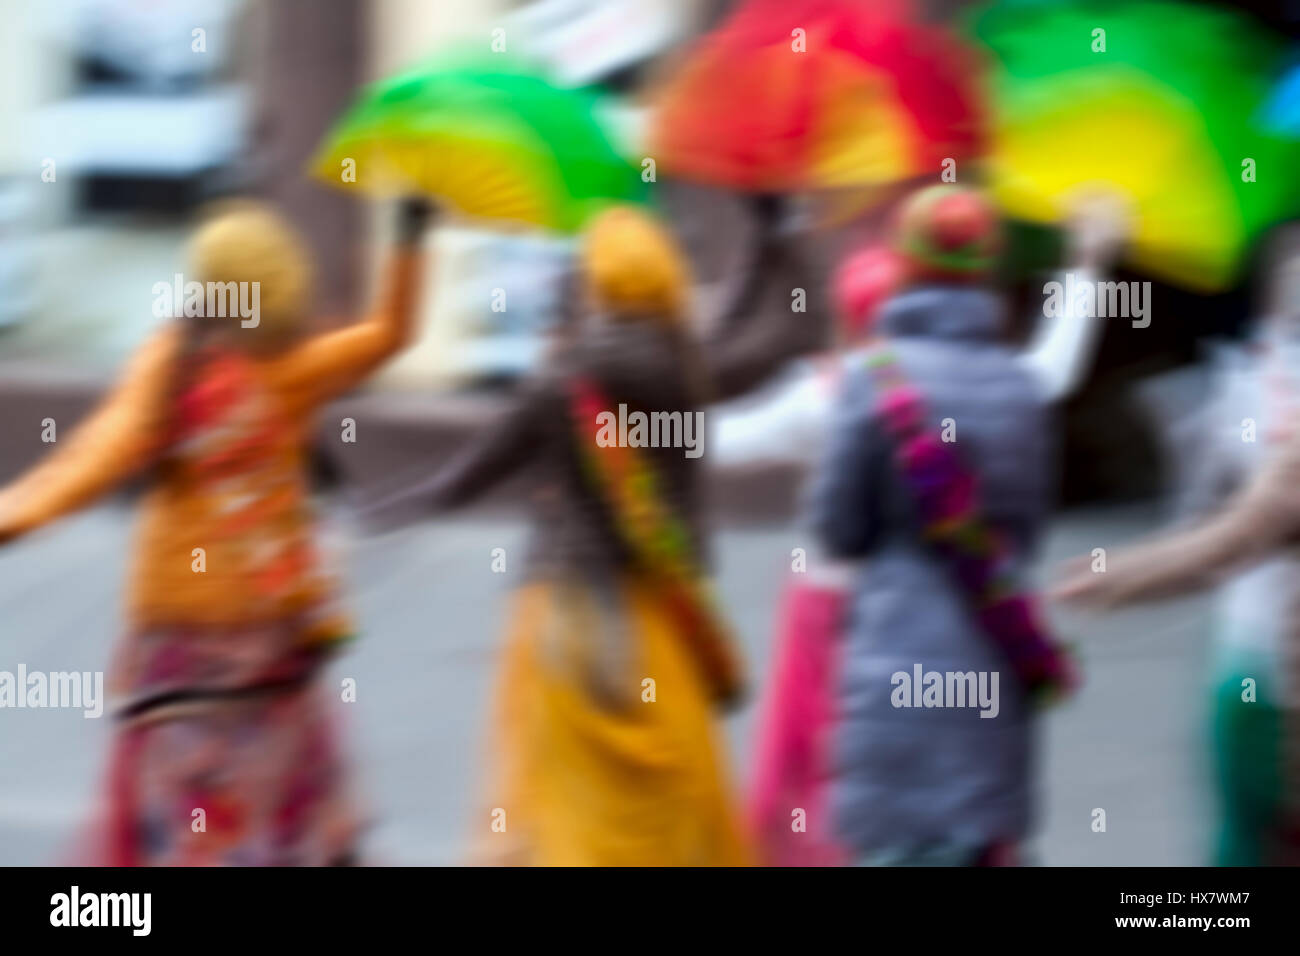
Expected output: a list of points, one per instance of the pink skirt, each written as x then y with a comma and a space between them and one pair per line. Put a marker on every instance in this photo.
788, 803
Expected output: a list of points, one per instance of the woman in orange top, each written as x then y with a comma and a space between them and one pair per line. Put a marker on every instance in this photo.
230, 615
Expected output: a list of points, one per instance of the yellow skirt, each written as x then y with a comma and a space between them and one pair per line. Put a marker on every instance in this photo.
582, 777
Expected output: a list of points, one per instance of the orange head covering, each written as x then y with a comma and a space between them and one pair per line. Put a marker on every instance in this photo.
633, 267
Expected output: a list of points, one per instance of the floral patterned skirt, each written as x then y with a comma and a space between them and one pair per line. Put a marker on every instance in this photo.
226, 753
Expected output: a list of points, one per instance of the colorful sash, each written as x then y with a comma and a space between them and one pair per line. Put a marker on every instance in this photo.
979, 558
658, 541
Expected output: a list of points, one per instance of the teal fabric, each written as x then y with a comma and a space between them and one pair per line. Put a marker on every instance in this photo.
1247, 737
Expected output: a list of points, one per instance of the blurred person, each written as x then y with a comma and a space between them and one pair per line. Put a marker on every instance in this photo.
231, 612
604, 746
790, 424
1241, 509
941, 541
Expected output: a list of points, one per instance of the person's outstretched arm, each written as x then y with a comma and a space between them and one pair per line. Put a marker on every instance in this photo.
118, 439
753, 343
784, 426
507, 446
1065, 342
1262, 517
742, 292
331, 363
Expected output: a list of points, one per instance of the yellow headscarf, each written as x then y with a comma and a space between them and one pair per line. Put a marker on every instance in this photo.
633, 267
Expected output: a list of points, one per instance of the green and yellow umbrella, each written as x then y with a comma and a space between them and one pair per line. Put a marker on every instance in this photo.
1151, 99
494, 140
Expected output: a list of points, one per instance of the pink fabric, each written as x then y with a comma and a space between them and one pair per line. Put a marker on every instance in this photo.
795, 720
862, 283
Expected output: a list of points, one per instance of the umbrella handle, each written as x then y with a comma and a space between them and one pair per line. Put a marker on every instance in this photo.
414, 215
767, 208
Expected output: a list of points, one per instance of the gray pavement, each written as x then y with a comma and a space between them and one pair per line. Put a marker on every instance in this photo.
431, 611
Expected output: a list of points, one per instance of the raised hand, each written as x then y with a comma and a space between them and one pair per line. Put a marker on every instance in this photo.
1100, 221
414, 216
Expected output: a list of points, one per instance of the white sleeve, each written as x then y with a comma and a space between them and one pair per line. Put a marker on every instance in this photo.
1063, 346
785, 425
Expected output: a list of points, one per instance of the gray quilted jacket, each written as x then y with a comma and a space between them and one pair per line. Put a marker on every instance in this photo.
907, 779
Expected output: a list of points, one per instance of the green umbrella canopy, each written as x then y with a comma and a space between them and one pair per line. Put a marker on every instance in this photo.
1152, 98
490, 137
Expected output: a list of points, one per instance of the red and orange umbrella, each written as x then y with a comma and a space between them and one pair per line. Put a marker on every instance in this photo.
796, 94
